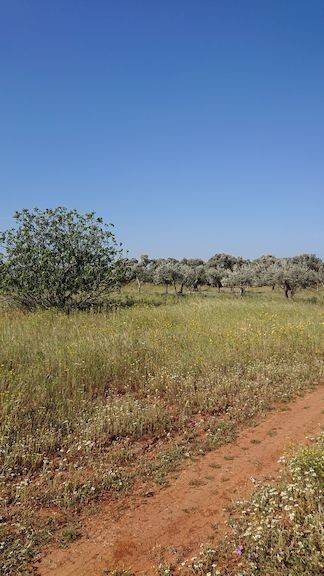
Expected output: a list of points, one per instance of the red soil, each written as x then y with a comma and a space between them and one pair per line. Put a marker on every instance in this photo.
171, 525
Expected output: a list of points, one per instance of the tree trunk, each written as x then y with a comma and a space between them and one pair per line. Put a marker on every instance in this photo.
287, 289
166, 289
139, 285
242, 289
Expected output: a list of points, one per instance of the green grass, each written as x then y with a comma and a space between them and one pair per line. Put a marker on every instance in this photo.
84, 398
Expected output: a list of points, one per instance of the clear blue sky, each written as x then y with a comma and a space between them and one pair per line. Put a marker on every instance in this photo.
196, 126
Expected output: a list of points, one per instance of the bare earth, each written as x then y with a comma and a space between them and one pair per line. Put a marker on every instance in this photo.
171, 525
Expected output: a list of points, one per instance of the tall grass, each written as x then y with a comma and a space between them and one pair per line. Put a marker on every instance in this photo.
135, 371
89, 399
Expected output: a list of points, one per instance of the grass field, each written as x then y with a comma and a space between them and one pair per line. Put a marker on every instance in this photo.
83, 396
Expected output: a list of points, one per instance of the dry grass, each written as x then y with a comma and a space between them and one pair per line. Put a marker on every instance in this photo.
82, 395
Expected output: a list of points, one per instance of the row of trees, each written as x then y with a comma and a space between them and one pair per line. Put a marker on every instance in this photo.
63, 259
225, 270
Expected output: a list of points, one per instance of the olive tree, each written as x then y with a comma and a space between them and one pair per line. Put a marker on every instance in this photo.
264, 270
193, 274
292, 276
164, 274
214, 276
142, 270
309, 261
178, 274
59, 258
226, 261
239, 278
184, 276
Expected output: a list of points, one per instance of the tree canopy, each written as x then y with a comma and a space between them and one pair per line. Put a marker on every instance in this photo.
58, 258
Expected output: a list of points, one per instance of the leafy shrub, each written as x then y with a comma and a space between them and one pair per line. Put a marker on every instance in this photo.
58, 258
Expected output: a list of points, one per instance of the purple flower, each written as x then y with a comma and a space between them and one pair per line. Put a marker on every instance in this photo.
239, 550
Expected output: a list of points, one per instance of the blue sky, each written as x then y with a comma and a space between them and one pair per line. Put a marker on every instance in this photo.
196, 126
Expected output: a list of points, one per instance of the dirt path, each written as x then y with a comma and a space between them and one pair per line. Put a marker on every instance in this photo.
170, 525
